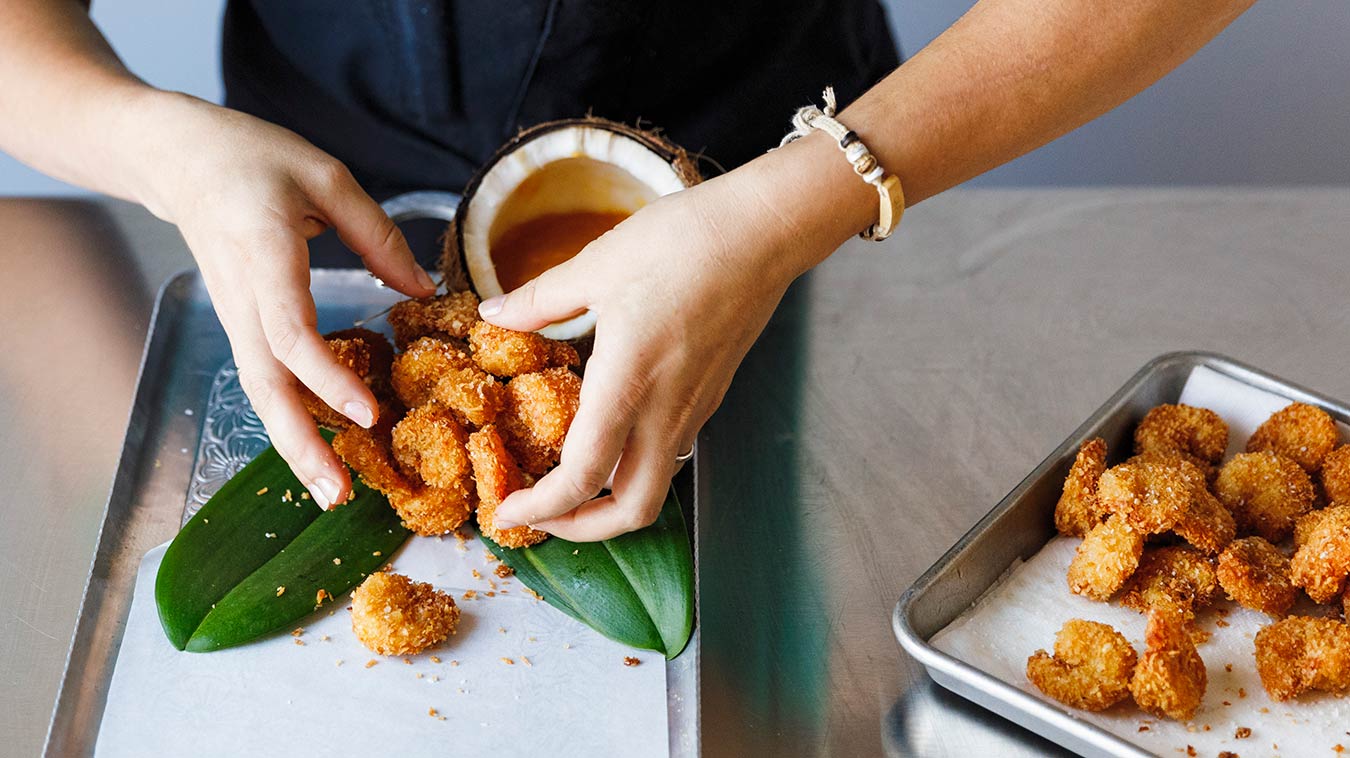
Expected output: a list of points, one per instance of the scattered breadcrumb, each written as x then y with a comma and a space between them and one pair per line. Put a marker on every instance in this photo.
270, 535
338, 662
434, 659
470, 594
508, 661
337, 561
371, 663
407, 661
630, 661
281, 590
377, 553
525, 661
262, 491
1242, 733
297, 632
304, 495
503, 571
299, 642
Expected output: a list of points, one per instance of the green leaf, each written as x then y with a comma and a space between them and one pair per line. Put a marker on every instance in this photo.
637, 588
218, 582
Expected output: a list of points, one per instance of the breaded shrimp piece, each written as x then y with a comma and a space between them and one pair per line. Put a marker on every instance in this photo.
1170, 679
381, 356
545, 404
1090, 669
393, 615
1335, 475
444, 316
497, 476
1105, 559
1077, 510
1207, 525
431, 441
1265, 492
1299, 653
355, 355
432, 369
504, 352
1151, 497
369, 455
1256, 574
1305, 525
1195, 432
430, 511
1322, 562
1302, 432
1177, 576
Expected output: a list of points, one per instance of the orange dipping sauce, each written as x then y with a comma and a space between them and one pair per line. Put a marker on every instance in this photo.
532, 247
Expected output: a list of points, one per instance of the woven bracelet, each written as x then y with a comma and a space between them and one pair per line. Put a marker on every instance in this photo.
864, 163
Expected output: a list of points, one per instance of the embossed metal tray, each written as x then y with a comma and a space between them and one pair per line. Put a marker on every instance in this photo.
191, 428
1023, 522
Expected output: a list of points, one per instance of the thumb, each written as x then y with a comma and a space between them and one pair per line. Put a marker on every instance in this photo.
555, 295
363, 226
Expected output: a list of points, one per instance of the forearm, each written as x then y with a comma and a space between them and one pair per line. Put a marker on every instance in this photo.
70, 107
1010, 76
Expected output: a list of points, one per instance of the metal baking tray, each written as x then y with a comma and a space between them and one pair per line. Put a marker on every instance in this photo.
186, 356
1022, 523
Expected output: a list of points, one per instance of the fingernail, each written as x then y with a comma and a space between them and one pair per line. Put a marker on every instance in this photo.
423, 278
325, 492
360, 413
492, 306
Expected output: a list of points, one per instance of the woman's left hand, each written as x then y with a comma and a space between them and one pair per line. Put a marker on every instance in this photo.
681, 290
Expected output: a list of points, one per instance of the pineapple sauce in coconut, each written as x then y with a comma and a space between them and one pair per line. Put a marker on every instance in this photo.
530, 248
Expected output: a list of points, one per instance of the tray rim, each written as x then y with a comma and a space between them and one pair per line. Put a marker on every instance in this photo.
946, 670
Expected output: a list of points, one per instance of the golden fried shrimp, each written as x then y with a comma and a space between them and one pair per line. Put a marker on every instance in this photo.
1256, 574
393, 615
1207, 525
444, 316
1300, 653
1322, 561
1265, 492
544, 404
1302, 432
1176, 576
1305, 525
1170, 679
430, 511
497, 476
1195, 432
371, 458
1336, 475
431, 441
1090, 669
1077, 510
1105, 559
1152, 497
355, 355
504, 352
432, 369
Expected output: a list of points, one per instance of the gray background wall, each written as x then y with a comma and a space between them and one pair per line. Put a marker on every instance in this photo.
1267, 103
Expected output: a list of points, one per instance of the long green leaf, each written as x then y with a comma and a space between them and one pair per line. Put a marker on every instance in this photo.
637, 588
218, 584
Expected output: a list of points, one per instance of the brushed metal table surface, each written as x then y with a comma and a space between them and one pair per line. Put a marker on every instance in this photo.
899, 392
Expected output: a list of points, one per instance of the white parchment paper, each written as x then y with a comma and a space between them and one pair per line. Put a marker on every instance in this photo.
574, 696
1029, 605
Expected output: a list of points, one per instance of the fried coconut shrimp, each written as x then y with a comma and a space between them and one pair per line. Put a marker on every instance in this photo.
1195, 432
430, 441
1078, 511
1336, 475
366, 353
1302, 432
445, 316
538, 411
1157, 492
1090, 669
1305, 525
393, 615
1256, 574
1170, 679
505, 352
497, 476
1107, 556
426, 510
434, 369
1300, 653
1322, 561
1177, 577
1265, 492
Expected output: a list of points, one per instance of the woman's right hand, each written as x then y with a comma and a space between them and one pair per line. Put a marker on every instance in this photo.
247, 195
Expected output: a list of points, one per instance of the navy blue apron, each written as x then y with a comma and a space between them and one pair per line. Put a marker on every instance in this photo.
417, 94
